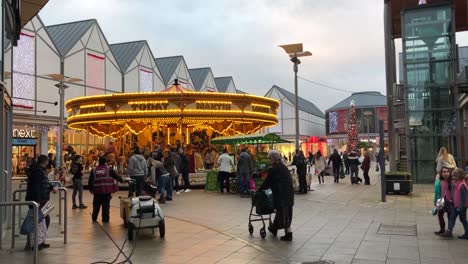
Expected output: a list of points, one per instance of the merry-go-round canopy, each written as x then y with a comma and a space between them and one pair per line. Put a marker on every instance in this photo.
176, 107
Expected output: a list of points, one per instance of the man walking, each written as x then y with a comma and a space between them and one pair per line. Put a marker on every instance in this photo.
353, 166
184, 169
244, 171
346, 162
336, 160
225, 164
137, 169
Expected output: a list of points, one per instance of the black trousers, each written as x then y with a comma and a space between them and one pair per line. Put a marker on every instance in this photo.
346, 168
302, 182
366, 177
104, 201
336, 173
223, 180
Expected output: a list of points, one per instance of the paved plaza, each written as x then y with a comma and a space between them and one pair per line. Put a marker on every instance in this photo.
342, 223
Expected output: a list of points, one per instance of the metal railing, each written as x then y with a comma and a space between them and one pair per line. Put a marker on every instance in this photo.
64, 207
36, 224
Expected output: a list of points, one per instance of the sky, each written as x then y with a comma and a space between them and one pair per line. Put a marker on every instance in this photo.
240, 38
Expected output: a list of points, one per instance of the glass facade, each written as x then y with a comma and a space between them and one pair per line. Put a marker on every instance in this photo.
429, 65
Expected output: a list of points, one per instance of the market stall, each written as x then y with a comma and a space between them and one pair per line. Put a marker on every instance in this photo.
258, 146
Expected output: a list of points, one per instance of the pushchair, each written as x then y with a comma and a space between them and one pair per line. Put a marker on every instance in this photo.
263, 203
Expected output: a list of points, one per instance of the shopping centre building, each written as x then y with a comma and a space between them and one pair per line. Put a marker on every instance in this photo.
370, 108
78, 56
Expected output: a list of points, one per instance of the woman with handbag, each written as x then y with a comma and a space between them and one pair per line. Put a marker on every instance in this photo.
442, 197
38, 190
320, 166
102, 184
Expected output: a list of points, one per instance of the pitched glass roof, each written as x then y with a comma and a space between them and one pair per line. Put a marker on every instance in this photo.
65, 36
167, 66
222, 83
199, 76
126, 52
304, 105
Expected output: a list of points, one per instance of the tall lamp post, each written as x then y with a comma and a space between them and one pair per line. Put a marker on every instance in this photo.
295, 51
61, 79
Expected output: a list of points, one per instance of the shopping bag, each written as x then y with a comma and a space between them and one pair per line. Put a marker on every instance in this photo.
28, 223
263, 202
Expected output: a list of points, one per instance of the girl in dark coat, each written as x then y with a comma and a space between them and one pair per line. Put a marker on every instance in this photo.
280, 181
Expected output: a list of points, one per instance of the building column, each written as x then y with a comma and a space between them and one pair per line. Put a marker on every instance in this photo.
44, 143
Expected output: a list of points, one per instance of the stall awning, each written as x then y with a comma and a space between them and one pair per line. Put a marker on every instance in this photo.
270, 138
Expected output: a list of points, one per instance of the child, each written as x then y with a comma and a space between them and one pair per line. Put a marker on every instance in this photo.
442, 189
460, 203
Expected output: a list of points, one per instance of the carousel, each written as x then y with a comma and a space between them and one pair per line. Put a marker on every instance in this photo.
169, 117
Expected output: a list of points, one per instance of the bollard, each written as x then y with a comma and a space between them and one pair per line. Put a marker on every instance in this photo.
65, 202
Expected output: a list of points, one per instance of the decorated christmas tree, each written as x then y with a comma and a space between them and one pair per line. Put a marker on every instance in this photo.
353, 129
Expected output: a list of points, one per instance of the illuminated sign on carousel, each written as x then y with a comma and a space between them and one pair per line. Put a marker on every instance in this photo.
226, 113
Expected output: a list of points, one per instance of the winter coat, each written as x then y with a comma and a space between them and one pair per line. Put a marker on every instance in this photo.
442, 188
184, 163
460, 194
335, 159
320, 164
137, 166
245, 164
280, 181
301, 164
366, 163
39, 187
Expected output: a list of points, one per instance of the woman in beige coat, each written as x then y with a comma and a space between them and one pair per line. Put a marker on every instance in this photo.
320, 165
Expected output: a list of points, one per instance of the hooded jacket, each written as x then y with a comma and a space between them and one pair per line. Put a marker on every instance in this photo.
137, 166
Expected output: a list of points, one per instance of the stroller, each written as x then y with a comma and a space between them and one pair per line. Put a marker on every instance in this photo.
263, 203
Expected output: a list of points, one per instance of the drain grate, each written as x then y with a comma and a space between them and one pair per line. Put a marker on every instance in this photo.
401, 230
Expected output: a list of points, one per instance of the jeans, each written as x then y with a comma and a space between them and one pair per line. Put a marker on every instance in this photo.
354, 175
185, 176
170, 186
101, 199
139, 184
242, 181
77, 188
176, 182
162, 184
453, 217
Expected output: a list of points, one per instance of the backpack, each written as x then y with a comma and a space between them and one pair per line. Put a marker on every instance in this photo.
74, 168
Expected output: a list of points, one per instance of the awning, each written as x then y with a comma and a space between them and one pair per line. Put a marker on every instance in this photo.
270, 138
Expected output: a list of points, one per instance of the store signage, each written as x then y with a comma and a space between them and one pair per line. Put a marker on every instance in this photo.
24, 133
94, 109
260, 109
149, 106
24, 142
213, 106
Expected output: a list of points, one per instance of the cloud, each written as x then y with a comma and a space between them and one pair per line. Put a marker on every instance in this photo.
240, 38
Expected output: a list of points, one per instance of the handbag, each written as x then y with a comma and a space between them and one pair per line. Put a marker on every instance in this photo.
440, 203
252, 184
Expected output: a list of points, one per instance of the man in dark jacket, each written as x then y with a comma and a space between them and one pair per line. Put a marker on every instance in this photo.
77, 170
354, 167
346, 161
280, 181
244, 171
101, 184
137, 170
335, 158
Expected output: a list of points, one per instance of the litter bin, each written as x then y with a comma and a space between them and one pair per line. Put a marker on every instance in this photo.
398, 182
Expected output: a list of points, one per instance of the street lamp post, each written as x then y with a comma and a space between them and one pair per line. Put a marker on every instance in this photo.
295, 51
367, 115
61, 86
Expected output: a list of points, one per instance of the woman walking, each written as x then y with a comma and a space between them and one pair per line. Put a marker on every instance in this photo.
320, 164
460, 203
300, 161
442, 189
445, 159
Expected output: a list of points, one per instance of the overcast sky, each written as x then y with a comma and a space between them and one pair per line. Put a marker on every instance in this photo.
241, 37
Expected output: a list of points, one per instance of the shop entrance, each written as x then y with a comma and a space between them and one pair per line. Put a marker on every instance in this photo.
23, 154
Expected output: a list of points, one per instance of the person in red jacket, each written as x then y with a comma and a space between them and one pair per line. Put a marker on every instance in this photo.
101, 184
460, 203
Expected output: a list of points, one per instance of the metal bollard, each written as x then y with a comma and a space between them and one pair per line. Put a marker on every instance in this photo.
65, 202
15, 199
